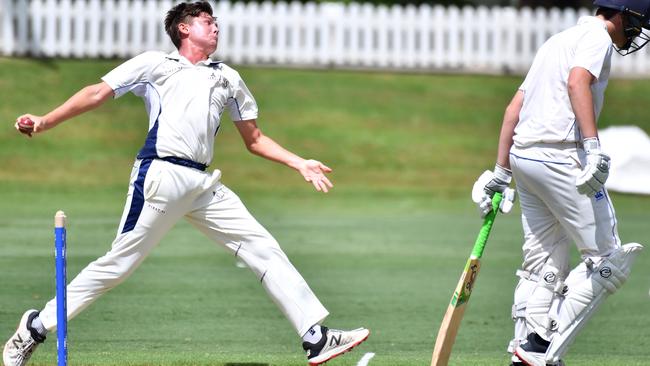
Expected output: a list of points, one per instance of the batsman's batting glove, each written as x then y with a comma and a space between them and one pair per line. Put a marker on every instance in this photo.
490, 183
594, 175
501, 178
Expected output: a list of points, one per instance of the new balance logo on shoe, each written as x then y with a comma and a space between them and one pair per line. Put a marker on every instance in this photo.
335, 341
18, 341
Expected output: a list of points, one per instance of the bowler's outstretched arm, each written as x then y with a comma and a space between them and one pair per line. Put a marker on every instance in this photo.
88, 98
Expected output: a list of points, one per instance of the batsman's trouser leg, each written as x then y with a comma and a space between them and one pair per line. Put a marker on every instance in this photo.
224, 219
546, 256
129, 248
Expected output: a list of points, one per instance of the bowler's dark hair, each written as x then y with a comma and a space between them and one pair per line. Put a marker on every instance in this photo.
182, 13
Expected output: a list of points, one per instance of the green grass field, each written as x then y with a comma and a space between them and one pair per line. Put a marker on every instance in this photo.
383, 250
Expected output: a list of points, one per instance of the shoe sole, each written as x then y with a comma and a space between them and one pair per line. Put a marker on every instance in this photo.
522, 358
316, 363
523, 362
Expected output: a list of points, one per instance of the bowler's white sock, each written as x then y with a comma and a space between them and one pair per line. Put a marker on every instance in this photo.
313, 335
38, 326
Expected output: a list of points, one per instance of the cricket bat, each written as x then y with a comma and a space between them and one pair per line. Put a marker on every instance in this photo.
454, 315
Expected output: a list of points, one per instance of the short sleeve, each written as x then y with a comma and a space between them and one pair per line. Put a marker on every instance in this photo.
534, 69
242, 105
592, 51
132, 73
524, 85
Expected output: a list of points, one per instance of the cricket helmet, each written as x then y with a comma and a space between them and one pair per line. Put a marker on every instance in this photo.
636, 17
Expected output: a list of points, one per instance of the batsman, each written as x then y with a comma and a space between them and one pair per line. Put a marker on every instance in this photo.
185, 92
549, 145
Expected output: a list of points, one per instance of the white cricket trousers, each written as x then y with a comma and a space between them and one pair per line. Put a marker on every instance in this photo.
160, 193
553, 213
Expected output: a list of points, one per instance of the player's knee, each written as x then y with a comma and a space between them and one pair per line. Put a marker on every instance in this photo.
261, 252
609, 277
614, 270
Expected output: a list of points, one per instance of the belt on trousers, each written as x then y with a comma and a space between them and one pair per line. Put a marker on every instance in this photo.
185, 162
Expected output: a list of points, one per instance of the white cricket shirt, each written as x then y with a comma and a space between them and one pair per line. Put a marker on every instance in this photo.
546, 115
184, 102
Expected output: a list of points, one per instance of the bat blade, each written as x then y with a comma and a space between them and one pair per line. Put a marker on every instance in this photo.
454, 315
456, 310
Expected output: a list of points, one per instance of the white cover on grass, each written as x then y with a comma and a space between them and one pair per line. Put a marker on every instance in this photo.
629, 148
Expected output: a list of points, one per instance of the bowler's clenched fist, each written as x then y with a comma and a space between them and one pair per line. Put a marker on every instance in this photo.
25, 125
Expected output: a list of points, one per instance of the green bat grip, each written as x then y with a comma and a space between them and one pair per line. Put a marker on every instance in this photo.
479, 246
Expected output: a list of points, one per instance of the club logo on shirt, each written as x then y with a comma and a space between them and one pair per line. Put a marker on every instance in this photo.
220, 81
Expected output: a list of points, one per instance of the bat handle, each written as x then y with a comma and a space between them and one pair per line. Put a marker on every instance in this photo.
481, 240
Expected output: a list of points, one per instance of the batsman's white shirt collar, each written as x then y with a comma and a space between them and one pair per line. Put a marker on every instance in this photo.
591, 19
180, 58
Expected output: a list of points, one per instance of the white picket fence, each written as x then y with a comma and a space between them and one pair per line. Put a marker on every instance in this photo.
423, 38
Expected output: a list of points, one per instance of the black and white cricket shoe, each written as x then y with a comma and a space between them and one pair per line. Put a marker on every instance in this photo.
533, 352
333, 343
21, 345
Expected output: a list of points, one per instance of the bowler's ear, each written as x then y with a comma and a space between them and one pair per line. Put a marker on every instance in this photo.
184, 28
